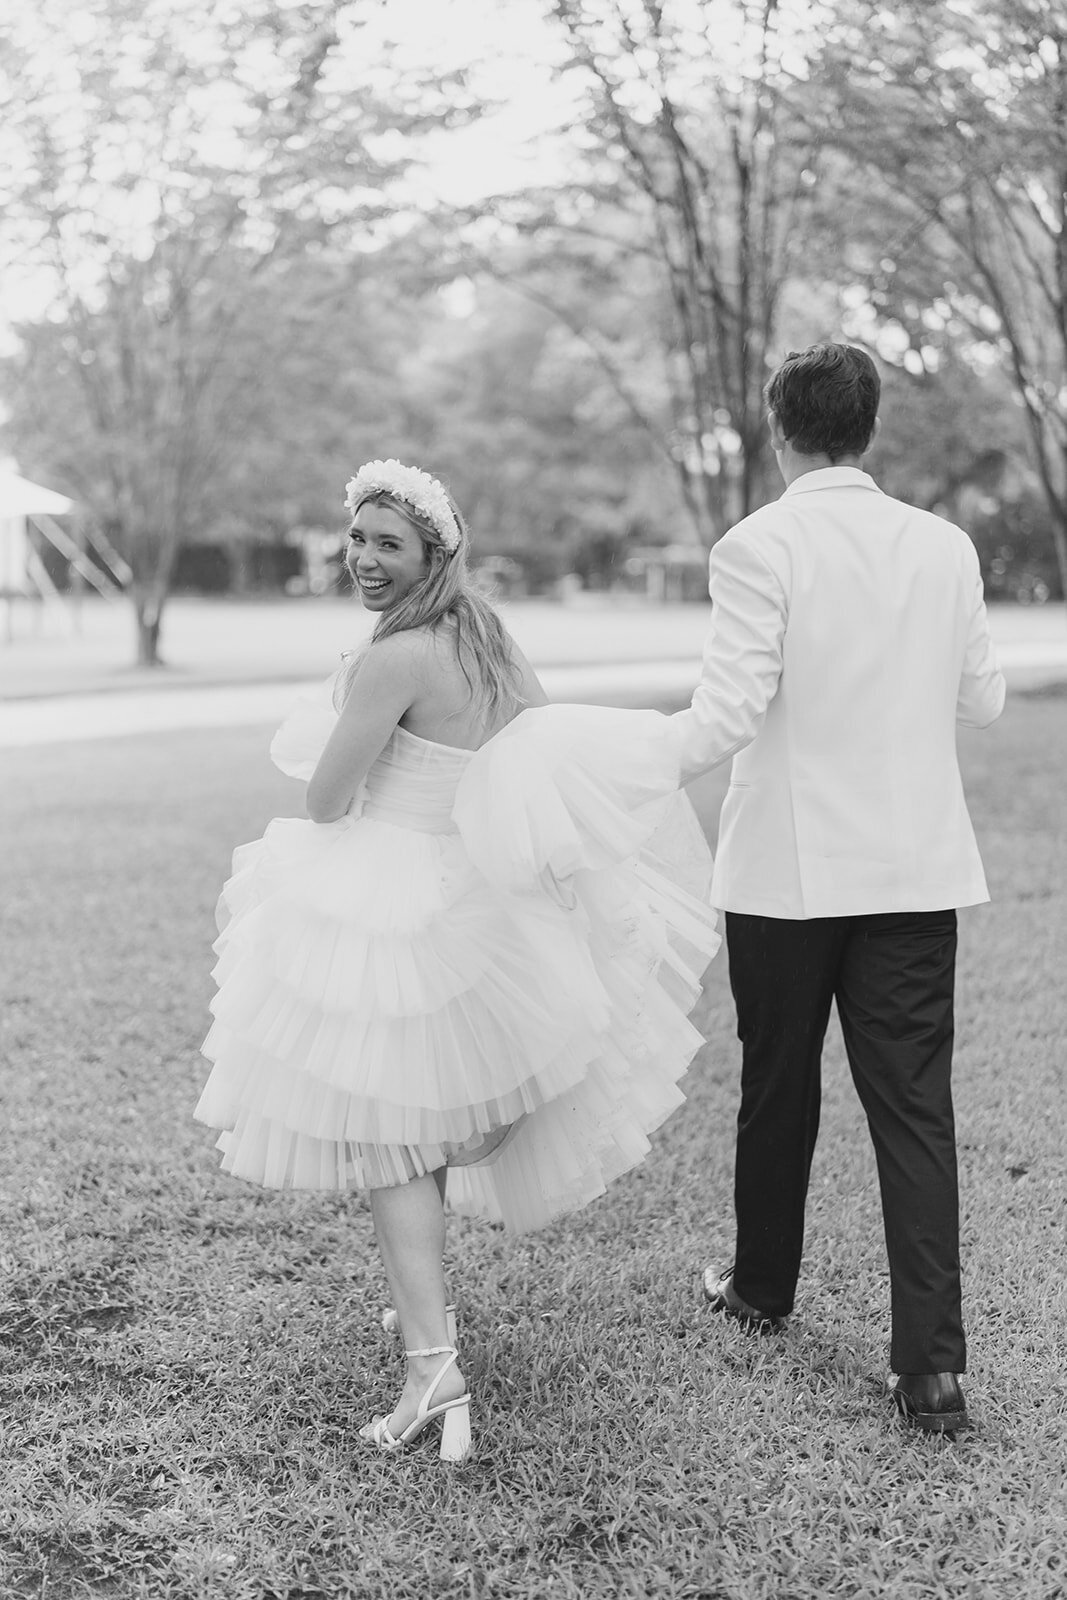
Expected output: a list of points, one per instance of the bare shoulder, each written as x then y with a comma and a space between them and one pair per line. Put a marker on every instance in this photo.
406, 651
397, 661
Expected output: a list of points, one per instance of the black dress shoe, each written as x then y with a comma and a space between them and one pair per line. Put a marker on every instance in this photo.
721, 1296
932, 1401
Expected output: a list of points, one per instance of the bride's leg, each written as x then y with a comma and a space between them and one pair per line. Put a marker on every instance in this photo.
409, 1222
391, 1317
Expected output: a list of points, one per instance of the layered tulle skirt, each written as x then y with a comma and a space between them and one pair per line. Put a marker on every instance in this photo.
511, 936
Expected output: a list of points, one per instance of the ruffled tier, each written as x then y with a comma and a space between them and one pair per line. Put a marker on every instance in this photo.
386, 996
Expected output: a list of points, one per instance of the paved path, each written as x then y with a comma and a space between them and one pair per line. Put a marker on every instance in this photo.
626, 655
213, 642
102, 716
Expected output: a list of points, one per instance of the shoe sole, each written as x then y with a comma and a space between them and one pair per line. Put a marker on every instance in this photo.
931, 1421
761, 1327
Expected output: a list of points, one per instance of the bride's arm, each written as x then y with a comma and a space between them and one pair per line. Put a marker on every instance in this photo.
384, 687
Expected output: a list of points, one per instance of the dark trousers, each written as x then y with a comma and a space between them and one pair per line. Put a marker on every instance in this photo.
892, 977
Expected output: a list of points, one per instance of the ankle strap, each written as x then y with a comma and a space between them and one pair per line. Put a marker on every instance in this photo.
434, 1350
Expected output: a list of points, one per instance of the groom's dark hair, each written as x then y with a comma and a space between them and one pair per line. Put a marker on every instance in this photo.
826, 399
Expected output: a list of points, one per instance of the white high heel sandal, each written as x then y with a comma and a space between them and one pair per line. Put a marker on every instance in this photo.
455, 1415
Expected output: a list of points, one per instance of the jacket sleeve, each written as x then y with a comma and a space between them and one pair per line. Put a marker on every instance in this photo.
742, 658
982, 686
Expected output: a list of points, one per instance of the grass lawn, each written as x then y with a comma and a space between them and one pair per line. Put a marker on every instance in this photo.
185, 1360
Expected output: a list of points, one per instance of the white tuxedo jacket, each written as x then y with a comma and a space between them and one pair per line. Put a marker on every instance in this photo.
848, 637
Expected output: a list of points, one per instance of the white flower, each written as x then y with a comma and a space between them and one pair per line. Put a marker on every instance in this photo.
416, 488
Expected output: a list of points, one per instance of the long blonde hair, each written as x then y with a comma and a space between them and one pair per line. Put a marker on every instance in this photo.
483, 647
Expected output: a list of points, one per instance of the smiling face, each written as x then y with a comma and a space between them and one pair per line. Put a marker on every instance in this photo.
385, 556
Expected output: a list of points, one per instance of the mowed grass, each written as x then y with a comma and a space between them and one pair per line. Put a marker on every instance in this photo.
186, 1360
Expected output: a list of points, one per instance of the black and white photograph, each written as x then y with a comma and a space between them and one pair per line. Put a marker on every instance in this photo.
533, 797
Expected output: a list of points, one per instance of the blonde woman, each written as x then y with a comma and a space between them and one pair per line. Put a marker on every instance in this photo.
472, 965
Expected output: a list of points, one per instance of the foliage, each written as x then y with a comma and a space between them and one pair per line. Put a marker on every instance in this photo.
696, 197
173, 169
960, 114
540, 450
953, 440
247, 302
1010, 529
944, 427
186, 1359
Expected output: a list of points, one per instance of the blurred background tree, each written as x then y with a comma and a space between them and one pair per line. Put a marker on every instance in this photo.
958, 117
544, 454
693, 209
172, 167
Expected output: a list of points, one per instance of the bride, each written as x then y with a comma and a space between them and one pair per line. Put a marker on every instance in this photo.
471, 968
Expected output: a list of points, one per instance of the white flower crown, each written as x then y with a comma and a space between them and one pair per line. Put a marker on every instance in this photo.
416, 488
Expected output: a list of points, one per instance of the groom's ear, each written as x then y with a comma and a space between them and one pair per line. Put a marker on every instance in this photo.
778, 439
875, 431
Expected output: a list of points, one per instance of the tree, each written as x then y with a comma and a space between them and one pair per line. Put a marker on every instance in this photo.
699, 186
175, 168
543, 454
308, 388
961, 112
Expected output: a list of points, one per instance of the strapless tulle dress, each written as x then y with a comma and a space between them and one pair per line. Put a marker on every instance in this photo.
514, 932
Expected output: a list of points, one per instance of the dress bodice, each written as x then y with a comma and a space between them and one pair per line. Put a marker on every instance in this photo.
413, 783
560, 787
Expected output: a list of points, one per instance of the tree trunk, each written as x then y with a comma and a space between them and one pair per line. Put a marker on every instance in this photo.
1059, 539
148, 608
240, 566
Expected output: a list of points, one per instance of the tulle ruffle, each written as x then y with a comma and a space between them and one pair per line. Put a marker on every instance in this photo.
389, 992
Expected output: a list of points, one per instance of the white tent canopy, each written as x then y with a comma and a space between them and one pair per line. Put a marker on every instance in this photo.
21, 498
23, 575
20, 570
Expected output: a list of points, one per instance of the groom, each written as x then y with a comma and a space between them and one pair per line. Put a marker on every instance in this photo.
848, 638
